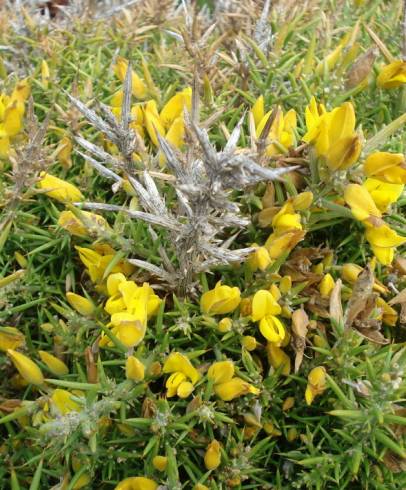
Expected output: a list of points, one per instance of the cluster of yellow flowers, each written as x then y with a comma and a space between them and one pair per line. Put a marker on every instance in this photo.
333, 136
12, 108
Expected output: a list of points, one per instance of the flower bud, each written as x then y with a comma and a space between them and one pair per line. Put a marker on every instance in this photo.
10, 338
160, 462
81, 304
220, 300
134, 369
27, 368
326, 286
225, 325
212, 458
249, 342
55, 365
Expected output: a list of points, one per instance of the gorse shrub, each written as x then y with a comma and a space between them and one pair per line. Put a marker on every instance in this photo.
202, 245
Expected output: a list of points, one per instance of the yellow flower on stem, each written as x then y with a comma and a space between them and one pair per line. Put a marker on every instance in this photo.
221, 371
81, 304
220, 300
259, 259
272, 329
281, 135
160, 462
84, 225
134, 369
137, 483
392, 75
96, 262
175, 106
333, 135
326, 286
153, 121
59, 189
361, 203
27, 368
184, 375
234, 388
280, 243
55, 365
383, 241
264, 304
387, 167
316, 383
212, 457
286, 219
382, 193
62, 399
10, 338
226, 386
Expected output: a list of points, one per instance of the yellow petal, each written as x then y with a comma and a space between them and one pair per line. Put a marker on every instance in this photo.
392, 75
233, 389
278, 358
62, 399
388, 167
263, 304
27, 368
360, 201
137, 483
59, 189
272, 328
178, 362
344, 153
258, 110
81, 304
220, 300
139, 89
10, 338
221, 372
134, 369
55, 365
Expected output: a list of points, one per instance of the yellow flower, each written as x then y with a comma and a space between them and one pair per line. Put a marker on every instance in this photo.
279, 243
272, 329
220, 300
234, 388
81, 227
137, 483
96, 263
81, 304
264, 304
55, 365
392, 75
258, 110
220, 372
59, 189
160, 462
278, 358
139, 89
182, 371
383, 241
249, 342
27, 368
134, 369
62, 400
316, 383
175, 106
382, 193
225, 325
10, 338
212, 457
387, 167
282, 132
130, 328
259, 259
286, 219
361, 203
302, 201
177, 362
326, 286
333, 134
